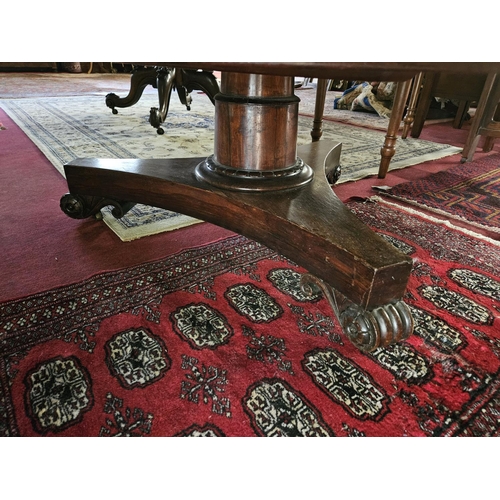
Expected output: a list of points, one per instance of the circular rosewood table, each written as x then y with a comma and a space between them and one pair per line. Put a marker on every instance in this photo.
258, 183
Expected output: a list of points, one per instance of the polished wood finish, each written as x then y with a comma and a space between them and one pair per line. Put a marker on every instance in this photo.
389, 147
412, 105
255, 138
251, 192
259, 184
248, 109
310, 225
365, 71
319, 109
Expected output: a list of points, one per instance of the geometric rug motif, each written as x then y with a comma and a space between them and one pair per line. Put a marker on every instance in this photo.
175, 348
468, 192
76, 127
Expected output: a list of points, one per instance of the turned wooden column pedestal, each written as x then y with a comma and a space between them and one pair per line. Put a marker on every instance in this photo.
259, 184
255, 144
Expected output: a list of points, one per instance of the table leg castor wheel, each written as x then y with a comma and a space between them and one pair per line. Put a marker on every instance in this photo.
160, 131
334, 175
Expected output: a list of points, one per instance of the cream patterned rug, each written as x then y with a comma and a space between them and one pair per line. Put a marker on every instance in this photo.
65, 128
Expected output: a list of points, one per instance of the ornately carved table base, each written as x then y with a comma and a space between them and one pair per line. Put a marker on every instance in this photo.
165, 80
307, 224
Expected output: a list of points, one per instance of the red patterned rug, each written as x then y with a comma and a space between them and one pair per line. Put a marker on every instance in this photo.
468, 192
219, 341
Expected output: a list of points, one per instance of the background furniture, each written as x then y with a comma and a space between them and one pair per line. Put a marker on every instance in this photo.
389, 147
165, 80
28, 66
486, 121
465, 88
481, 88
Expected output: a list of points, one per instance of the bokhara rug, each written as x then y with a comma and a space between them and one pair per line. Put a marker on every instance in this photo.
218, 340
71, 127
468, 192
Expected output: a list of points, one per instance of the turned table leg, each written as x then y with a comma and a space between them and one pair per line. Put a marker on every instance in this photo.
389, 148
412, 105
319, 109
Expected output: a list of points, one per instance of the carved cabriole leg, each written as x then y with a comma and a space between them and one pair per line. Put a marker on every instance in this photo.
165, 80
259, 184
184, 81
389, 147
140, 79
200, 80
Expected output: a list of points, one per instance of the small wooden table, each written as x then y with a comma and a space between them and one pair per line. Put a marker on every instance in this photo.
259, 184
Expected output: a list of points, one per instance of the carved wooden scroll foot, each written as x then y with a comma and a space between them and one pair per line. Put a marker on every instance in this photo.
333, 175
366, 329
80, 206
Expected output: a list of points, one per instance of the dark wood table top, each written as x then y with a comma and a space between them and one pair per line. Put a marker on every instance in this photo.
376, 71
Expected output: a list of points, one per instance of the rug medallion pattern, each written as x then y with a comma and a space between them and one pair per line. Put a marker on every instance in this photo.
219, 341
